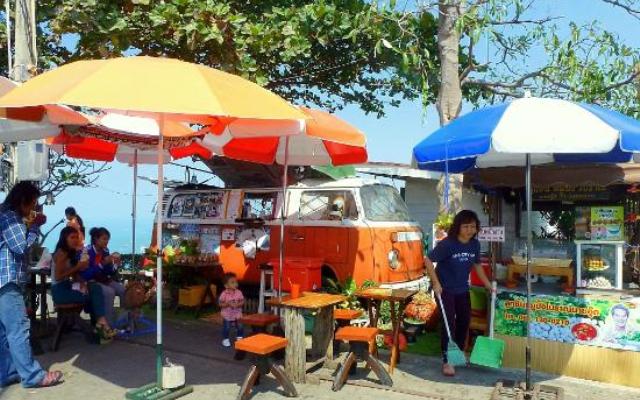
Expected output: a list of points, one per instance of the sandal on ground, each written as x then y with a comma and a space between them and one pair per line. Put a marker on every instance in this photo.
448, 370
105, 332
51, 378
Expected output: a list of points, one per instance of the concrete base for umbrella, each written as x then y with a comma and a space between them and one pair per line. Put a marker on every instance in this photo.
513, 390
153, 392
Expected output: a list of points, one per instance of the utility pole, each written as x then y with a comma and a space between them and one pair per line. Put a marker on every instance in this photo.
25, 62
26, 56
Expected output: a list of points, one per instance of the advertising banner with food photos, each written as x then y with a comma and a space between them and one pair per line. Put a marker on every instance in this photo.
592, 322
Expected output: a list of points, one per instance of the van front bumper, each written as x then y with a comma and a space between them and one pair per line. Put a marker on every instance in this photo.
417, 284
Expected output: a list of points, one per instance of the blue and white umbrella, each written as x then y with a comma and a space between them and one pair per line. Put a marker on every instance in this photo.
530, 131
550, 130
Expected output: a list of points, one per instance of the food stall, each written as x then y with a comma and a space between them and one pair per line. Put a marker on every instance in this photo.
586, 296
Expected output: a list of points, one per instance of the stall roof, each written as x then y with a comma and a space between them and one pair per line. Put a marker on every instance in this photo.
396, 170
551, 175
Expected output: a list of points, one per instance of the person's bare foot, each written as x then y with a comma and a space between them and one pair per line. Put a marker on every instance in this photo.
448, 370
51, 378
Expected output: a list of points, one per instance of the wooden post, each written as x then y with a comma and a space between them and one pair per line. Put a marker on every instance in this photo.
322, 343
296, 353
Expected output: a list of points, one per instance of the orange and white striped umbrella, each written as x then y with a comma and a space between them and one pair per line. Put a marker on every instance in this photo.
325, 140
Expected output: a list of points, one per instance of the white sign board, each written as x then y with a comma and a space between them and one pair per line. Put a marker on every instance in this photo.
491, 234
229, 234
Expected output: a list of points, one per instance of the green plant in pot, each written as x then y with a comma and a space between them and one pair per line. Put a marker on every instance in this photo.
347, 288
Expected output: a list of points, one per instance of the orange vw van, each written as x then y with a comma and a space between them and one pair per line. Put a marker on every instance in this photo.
351, 227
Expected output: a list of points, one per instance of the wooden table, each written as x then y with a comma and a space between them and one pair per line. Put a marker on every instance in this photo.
209, 272
322, 336
375, 297
567, 272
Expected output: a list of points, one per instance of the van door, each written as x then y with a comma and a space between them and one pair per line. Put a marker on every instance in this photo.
323, 213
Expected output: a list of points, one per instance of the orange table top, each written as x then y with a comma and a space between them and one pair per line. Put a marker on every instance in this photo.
308, 300
386, 294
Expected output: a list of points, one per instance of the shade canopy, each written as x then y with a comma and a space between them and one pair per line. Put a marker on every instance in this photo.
550, 130
33, 123
155, 85
325, 140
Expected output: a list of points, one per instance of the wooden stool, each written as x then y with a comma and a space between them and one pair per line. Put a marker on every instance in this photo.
343, 317
360, 340
68, 316
262, 346
259, 322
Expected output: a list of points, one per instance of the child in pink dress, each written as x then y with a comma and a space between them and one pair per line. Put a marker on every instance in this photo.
231, 301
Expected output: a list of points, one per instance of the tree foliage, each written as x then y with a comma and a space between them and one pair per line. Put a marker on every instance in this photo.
329, 53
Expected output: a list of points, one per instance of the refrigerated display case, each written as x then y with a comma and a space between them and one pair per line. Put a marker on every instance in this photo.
599, 265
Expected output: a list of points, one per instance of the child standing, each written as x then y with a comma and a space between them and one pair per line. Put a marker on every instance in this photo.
231, 301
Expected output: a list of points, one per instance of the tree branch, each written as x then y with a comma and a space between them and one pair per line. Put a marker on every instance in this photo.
505, 85
634, 12
518, 21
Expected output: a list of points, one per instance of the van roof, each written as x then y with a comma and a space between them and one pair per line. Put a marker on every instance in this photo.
340, 183
304, 184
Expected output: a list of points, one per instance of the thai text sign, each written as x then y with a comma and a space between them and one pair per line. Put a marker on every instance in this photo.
491, 234
593, 322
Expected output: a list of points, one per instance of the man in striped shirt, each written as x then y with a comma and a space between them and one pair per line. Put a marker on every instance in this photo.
18, 231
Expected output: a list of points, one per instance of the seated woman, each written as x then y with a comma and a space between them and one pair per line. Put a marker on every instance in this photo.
102, 269
67, 264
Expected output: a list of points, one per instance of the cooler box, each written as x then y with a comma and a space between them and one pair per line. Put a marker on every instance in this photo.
485, 262
304, 271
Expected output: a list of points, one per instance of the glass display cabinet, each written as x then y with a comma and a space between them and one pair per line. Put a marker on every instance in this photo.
599, 264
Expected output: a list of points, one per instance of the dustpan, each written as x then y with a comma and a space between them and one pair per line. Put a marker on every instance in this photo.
487, 351
455, 356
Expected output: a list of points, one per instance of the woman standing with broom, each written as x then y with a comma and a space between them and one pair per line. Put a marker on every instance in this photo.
455, 256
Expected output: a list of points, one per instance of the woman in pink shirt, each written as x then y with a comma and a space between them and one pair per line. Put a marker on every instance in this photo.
231, 301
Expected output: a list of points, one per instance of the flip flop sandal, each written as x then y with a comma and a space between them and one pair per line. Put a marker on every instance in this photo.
52, 378
448, 370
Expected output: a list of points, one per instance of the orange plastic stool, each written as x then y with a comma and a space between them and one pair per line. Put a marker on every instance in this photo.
360, 340
262, 346
259, 322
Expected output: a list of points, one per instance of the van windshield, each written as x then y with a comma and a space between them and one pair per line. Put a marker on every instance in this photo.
383, 203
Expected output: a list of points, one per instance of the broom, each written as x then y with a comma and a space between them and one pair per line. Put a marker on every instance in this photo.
455, 356
488, 351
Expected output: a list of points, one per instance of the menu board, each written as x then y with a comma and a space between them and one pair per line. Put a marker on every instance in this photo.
607, 223
197, 205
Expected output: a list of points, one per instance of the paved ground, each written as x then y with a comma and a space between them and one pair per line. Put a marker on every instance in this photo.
106, 372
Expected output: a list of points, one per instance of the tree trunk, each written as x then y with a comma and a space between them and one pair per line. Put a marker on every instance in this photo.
450, 94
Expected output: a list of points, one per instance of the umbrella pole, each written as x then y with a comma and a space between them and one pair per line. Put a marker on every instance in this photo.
285, 180
134, 201
529, 201
159, 352
155, 391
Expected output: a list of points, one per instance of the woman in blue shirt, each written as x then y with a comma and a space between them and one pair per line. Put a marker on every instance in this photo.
102, 269
455, 256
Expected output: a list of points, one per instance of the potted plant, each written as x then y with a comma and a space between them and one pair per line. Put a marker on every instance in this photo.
421, 312
442, 223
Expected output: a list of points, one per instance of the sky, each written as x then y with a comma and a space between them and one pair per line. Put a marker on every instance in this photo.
108, 202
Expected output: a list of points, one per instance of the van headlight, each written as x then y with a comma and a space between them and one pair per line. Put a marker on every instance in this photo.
394, 258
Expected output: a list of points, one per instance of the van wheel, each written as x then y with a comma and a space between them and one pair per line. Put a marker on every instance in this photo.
327, 276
